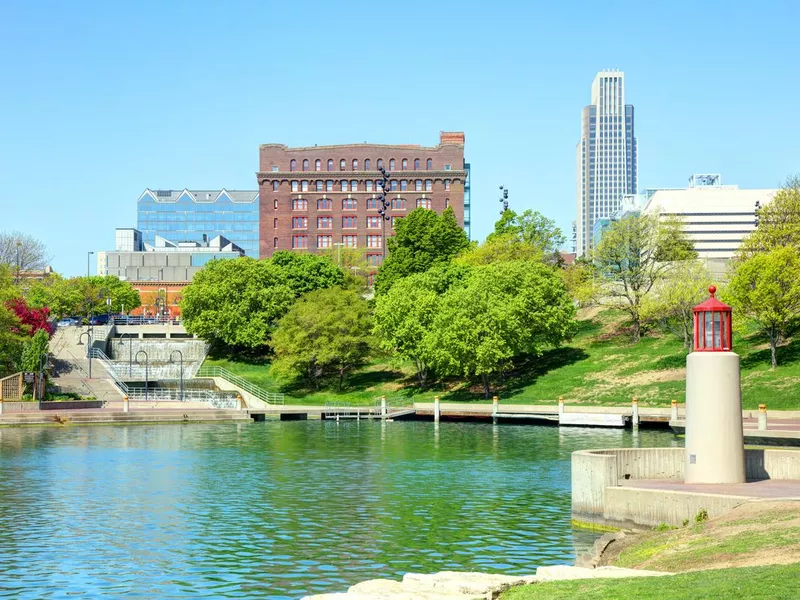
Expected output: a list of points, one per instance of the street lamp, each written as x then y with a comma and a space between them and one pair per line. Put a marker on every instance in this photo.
146, 371
385, 205
130, 352
504, 198
170, 360
87, 333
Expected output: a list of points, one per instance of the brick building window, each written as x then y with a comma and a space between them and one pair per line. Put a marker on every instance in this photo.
372, 204
274, 242
349, 222
416, 164
275, 202
424, 203
380, 163
294, 186
371, 279
379, 186
368, 185
320, 185
299, 222
393, 185
329, 185
447, 202
373, 222
293, 165
305, 164
429, 164
324, 204
330, 164
342, 165
343, 185
275, 223
367, 164
404, 164
350, 241
355, 164
353, 185
324, 241
403, 185
349, 204
304, 186
299, 241
374, 241
275, 185
399, 204
324, 222
374, 260
447, 185
318, 165
300, 204
418, 185
391, 164
429, 185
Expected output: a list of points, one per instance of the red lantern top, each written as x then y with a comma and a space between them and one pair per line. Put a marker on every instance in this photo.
712, 325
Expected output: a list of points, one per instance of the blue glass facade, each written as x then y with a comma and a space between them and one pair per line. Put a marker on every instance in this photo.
199, 216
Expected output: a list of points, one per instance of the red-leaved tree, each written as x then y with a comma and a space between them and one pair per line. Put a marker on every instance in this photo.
32, 319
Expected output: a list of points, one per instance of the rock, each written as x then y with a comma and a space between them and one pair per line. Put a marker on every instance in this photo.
592, 558
477, 585
564, 572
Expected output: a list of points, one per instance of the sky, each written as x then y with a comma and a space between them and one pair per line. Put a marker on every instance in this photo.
101, 100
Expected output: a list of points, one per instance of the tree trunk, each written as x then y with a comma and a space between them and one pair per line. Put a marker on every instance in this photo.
422, 373
487, 390
637, 330
341, 378
773, 350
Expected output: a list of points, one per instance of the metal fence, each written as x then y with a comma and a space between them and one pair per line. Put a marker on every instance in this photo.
220, 400
260, 393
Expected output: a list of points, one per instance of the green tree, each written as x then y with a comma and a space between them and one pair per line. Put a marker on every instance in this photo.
79, 295
11, 338
505, 247
236, 302
778, 222
422, 239
325, 332
33, 349
581, 282
306, 272
404, 315
766, 288
531, 228
634, 254
502, 311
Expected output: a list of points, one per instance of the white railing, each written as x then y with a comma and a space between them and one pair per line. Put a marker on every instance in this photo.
260, 393
155, 372
145, 321
215, 399
101, 357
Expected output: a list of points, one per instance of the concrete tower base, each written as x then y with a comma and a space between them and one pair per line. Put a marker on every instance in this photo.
714, 439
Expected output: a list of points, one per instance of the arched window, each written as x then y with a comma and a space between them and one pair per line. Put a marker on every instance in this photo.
342, 164
329, 185
418, 185
303, 186
330, 164
318, 165
294, 186
353, 185
393, 185
367, 164
275, 185
429, 185
429, 164
447, 185
380, 163
275, 223
403, 185
274, 242
355, 164
391, 164
404, 164
344, 185
447, 202
293, 165
305, 164
276, 203
416, 164
320, 185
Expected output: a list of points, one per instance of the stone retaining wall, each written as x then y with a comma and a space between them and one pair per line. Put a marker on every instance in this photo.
65, 405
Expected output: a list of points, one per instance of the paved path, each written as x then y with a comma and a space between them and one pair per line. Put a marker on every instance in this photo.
769, 488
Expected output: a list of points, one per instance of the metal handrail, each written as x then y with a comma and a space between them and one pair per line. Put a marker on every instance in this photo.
217, 400
258, 392
98, 354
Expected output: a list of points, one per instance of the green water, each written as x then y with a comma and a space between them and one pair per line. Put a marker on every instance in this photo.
280, 510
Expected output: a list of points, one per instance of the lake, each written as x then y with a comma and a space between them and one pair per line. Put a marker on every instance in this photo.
282, 509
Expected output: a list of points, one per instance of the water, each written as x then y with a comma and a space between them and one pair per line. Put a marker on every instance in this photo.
279, 510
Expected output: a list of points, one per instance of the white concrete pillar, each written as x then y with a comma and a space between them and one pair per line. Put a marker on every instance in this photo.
560, 406
635, 412
436, 409
495, 408
383, 407
762, 417
125, 404
674, 414
714, 438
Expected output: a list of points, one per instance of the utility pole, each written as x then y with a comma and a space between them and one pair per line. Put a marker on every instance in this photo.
504, 199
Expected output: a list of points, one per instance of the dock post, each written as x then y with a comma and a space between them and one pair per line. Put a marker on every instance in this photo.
635, 412
125, 403
674, 414
762, 417
383, 407
436, 409
495, 409
560, 406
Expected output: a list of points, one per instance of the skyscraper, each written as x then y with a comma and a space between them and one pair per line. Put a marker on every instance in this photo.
606, 156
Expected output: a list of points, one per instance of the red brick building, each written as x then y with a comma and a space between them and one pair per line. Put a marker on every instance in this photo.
319, 197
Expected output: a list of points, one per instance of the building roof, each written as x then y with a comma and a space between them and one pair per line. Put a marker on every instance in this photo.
722, 199
201, 196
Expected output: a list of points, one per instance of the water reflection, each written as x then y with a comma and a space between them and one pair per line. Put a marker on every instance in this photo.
281, 509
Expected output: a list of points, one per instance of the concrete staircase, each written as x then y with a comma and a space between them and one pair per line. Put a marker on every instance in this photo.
70, 371
85, 416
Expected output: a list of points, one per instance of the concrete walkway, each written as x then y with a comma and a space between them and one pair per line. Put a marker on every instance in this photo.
769, 488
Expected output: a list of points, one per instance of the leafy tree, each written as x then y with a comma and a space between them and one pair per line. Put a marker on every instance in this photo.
325, 332
581, 283
503, 310
23, 252
236, 302
531, 228
766, 288
422, 239
634, 254
79, 295
404, 315
31, 320
33, 349
11, 340
504, 247
306, 272
779, 222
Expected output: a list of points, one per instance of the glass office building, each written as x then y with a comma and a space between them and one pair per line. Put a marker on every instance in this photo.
199, 216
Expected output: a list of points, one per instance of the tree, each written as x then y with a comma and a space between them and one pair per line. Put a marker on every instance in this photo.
22, 252
778, 222
502, 311
11, 338
766, 288
33, 349
422, 239
505, 247
31, 320
581, 283
80, 296
634, 254
531, 228
306, 272
675, 296
236, 302
404, 315
325, 332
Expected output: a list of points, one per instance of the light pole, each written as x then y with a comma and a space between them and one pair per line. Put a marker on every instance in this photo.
88, 258
170, 360
88, 334
504, 199
384, 205
130, 352
146, 371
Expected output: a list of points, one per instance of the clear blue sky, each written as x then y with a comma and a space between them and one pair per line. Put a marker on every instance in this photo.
103, 99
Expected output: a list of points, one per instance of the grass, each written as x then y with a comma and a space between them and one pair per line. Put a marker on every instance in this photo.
601, 366
779, 581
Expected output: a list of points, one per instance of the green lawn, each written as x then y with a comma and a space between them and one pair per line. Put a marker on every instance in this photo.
600, 366
774, 582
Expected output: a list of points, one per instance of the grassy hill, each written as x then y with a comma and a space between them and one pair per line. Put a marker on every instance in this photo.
600, 366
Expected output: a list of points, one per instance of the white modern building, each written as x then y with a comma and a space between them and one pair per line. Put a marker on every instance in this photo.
716, 217
607, 157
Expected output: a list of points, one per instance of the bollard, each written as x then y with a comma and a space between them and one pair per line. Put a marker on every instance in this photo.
436, 409
560, 406
495, 408
674, 415
762, 417
125, 404
383, 407
635, 412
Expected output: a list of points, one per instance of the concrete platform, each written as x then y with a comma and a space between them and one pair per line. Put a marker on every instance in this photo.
768, 488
